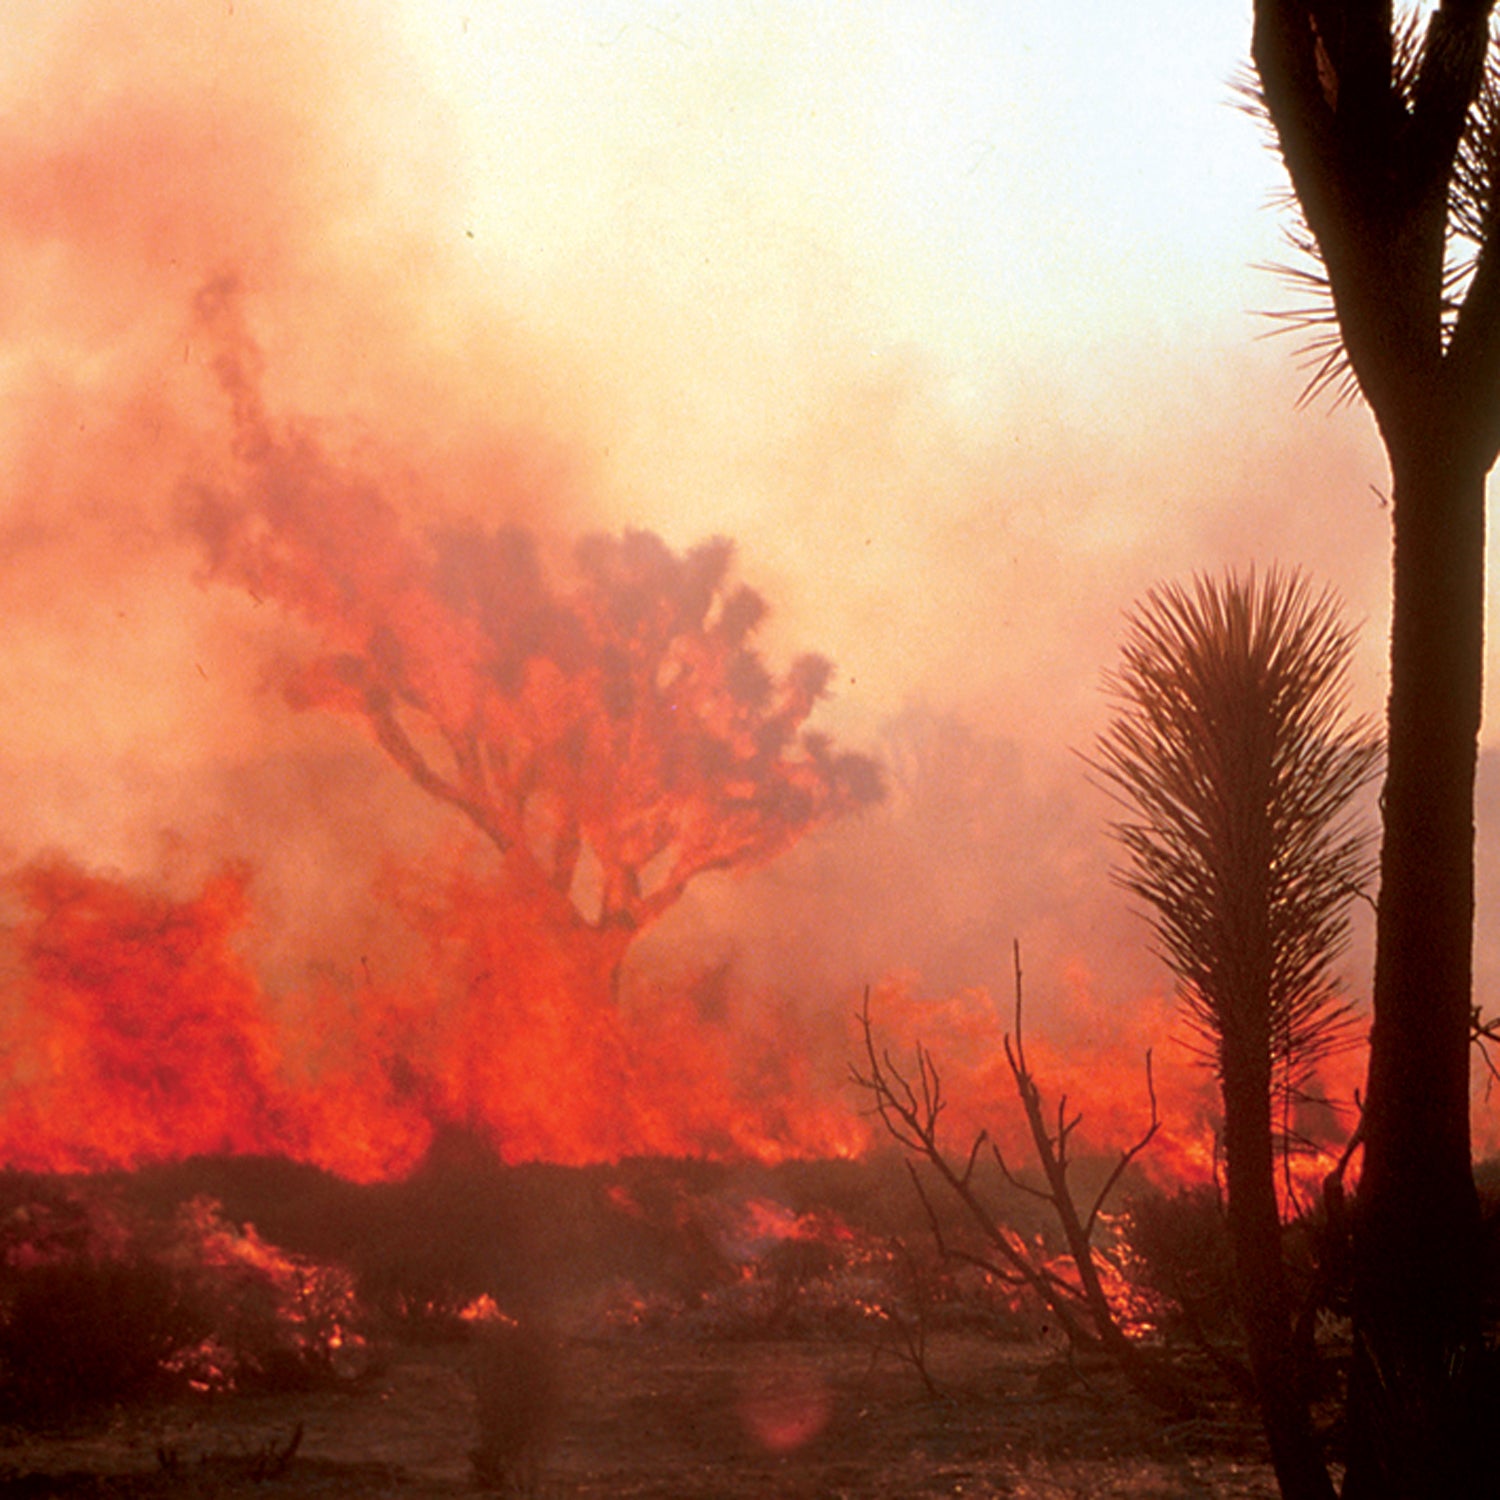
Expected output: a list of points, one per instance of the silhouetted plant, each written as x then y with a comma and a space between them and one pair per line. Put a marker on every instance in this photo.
910, 1106
1387, 119
1233, 755
1231, 750
1180, 1250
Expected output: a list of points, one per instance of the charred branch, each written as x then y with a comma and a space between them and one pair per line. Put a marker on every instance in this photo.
910, 1105
911, 1110
1051, 1147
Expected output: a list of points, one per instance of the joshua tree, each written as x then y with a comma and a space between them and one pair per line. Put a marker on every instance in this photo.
612, 738
1390, 132
1231, 752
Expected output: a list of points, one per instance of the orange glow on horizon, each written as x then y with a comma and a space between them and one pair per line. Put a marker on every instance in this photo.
139, 1034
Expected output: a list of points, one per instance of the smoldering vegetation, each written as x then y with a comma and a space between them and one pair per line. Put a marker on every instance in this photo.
245, 1273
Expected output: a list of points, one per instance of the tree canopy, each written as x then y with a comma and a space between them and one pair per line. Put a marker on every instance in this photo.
613, 734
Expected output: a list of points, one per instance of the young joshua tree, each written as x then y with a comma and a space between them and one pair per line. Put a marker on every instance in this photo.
1232, 754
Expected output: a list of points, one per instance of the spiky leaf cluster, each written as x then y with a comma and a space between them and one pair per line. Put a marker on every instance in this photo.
1429, 76
1231, 751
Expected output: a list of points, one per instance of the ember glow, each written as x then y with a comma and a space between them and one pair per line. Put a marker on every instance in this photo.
492, 494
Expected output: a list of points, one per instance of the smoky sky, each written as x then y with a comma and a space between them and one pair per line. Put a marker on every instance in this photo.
494, 321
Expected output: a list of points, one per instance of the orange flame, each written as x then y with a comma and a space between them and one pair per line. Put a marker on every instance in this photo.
139, 1032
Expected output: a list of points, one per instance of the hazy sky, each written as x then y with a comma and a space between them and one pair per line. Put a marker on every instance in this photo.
944, 312
947, 313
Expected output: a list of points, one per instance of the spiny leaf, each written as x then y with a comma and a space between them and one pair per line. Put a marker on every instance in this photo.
1232, 757
1473, 209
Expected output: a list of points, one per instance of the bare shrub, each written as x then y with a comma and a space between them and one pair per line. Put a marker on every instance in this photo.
910, 1104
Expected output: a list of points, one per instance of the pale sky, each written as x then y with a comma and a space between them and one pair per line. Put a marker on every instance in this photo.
902, 293
945, 312
978, 177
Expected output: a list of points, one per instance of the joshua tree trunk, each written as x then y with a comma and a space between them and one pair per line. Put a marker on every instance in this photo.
1388, 130
1411, 1416
1265, 1307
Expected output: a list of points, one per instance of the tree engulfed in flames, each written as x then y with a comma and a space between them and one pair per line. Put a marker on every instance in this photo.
611, 738
611, 735
138, 1032
612, 741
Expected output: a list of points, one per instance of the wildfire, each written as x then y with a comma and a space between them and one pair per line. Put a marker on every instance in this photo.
600, 718
139, 1033
104, 1297
134, 1030
304, 1311
604, 732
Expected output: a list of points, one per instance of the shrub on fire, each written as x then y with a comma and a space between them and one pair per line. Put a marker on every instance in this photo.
100, 1305
276, 1319
85, 1317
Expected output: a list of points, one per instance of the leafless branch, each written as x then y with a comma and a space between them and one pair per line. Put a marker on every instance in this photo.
911, 1114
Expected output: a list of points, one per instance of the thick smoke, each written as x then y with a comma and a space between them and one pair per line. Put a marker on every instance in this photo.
529, 326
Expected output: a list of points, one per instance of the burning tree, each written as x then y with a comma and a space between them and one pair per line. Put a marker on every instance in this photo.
612, 737
1231, 754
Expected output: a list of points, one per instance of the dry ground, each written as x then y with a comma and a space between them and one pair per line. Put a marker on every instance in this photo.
664, 1415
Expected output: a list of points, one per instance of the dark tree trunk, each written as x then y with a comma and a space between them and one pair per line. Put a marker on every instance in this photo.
1260, 1278
1390, 158
1412, 1419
